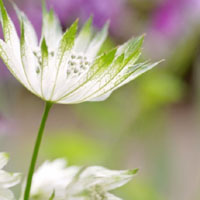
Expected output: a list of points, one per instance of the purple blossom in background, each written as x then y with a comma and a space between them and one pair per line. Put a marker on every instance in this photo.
169, 17
69, 10
172, 21
102, 10
173, 17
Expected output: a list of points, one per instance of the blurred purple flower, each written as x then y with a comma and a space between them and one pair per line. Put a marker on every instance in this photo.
102, 10
172, 17
69, 10
172, 21
169, 17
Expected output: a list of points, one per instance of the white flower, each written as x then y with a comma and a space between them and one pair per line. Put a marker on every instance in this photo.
65, 68
77, 183
7, 180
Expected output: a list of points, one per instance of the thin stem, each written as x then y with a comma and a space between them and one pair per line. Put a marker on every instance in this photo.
36, 150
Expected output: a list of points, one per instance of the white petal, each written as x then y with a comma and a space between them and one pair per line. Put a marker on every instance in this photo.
29, 29
97, 42
31, 63
10, 34
6, 194
62, 56
107, 179
48, 77
14, 65
51, 29
8, 179
84, 37
52, 176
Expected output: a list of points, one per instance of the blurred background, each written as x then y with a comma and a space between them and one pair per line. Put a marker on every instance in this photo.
151, 124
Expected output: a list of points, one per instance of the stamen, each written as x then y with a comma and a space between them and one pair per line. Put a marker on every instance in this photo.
77, 64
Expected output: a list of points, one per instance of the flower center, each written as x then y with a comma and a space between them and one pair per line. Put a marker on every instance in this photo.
77, 64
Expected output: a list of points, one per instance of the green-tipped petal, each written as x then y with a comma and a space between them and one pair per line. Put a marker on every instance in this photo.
64, 50
51, 28
29, 29
10, 34
4, 157
14, 65
103, 80
129, 74
44, 50
97, 42
84, 37
45, 70
31, 62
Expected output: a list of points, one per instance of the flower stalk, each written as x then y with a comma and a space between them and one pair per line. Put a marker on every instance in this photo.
48, 106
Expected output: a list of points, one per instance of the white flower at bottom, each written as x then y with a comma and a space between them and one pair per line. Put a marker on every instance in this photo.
77, 183
7, 180
67, 68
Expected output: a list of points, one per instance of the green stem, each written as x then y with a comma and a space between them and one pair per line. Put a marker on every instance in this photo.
36, 150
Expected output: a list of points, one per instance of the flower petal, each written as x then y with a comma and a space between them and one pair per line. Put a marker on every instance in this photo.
31, 62
30, 31
10, 34
13, 64
62, 56
9, 179
47, 69
104, 178
84, 37
4, 157
12, 40
130, 53
51, 29
122, 79
97, 42
6, 194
